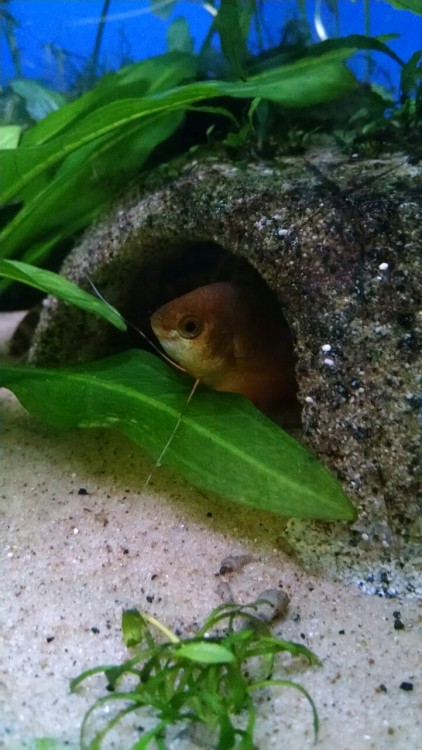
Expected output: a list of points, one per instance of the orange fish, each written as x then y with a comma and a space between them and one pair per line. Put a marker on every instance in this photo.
232, 337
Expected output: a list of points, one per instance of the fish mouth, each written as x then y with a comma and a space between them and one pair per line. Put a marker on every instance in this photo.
157, 324
163, 334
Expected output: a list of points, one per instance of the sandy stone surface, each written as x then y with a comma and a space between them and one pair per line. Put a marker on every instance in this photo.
82, 540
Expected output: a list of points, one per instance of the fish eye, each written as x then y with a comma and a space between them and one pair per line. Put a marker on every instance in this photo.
190, 327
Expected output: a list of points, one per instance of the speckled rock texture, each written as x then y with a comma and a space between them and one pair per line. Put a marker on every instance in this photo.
339, 240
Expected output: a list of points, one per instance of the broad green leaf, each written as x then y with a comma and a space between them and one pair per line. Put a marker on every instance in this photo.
102, 167
411, 77
206, 653
415, 6
109, 130
223, 444
136, 80
52, 283
133, 627
301, 84
29, 163
341, 48
179, 38
232, 23
334, 50
39, 100
9, 136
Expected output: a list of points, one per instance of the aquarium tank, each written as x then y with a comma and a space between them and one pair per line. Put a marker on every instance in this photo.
100, 99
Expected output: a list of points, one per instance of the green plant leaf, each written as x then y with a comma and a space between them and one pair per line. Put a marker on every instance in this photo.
223, 444
307, 82
232, 23
9, 136
52, 283
206, 680
133, 627
205, 652
341, 48
179, 38
39, 100
97, 138
411, 77
136, 80
101, 167
414, 6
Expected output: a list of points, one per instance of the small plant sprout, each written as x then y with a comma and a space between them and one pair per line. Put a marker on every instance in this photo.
208, 680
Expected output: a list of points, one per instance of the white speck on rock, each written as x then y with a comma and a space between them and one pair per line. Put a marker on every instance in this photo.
261, 223
383, 266
326, 348
329, 362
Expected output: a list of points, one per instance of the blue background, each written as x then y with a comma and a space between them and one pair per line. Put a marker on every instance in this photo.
133, 32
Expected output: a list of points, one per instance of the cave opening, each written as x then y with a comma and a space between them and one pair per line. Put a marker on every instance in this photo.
187, 265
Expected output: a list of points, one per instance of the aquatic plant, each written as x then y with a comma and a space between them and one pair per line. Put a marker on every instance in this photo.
258, 464
208, 680
105, 137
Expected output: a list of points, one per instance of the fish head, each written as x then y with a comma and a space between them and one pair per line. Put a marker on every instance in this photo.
194, 330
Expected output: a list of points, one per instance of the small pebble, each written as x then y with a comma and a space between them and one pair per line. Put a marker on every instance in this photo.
329, 362
398, 625
225, 593
234, 563
406, 686
383, 266
326, 348
270, 604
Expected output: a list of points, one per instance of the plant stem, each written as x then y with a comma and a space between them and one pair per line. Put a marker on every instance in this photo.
98, 40
367, 17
